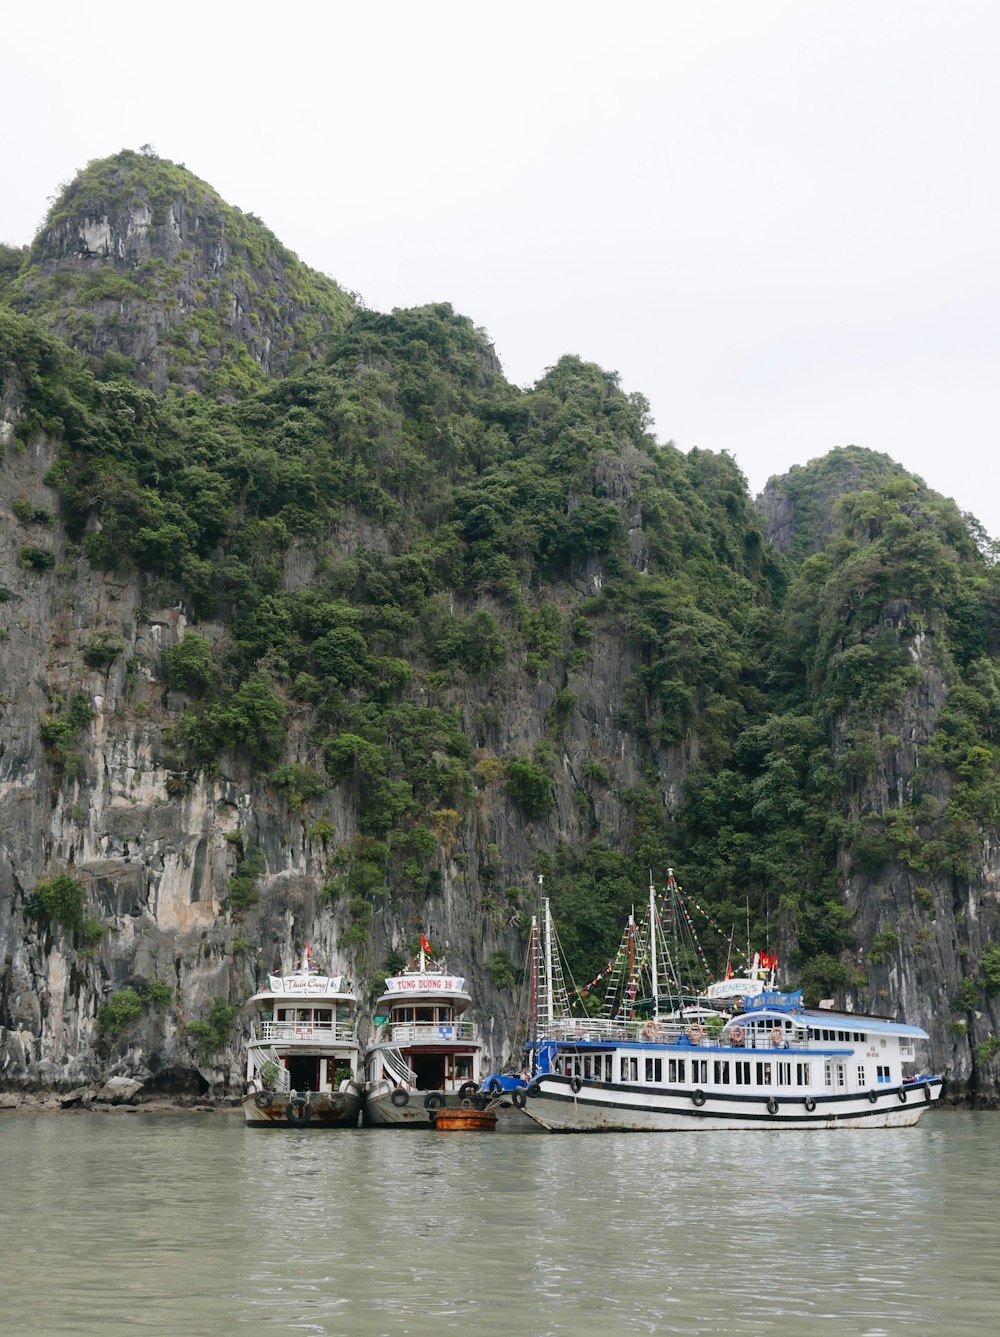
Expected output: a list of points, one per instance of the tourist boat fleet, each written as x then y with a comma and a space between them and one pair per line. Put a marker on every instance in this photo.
744, 1055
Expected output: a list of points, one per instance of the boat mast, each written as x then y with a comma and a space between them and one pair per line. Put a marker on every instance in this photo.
652, 947
676, 963
549, 1001
547, 917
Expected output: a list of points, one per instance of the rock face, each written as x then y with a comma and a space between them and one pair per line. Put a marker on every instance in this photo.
155, 854
141, 260
799, 508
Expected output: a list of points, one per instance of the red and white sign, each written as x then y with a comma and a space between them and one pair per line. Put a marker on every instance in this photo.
424, 984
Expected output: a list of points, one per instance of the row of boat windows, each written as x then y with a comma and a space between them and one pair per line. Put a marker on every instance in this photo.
308, 1016
820, 1033
724, 1072
421, 1014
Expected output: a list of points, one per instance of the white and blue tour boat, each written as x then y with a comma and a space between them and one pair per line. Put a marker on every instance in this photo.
774, 1064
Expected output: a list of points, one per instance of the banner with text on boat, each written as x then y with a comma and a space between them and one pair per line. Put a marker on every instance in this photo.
424, 983
773, 1002
304, 984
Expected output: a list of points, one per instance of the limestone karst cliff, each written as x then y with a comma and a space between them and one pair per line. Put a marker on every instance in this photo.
140, 260
362, 640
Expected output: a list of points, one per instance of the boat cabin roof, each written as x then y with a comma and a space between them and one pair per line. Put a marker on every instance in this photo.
820, 1020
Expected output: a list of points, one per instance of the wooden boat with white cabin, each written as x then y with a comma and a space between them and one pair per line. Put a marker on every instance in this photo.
423, 1055
303, 1057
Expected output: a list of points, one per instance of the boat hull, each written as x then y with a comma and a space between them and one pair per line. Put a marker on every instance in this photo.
380, 1112
337, 1110
602, 1109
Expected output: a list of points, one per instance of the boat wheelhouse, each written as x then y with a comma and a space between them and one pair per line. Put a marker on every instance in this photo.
423, 1055
303, 1057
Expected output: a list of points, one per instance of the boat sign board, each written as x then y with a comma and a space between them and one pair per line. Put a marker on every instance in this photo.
304, 984
773, 1002
424, 984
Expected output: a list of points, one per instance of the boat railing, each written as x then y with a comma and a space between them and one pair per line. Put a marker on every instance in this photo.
268, 1070
284, 1031
428, 1032
684, 1031
605, 1028
397, 1067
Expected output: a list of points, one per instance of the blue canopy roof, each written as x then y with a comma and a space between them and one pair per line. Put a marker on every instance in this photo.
819, 1019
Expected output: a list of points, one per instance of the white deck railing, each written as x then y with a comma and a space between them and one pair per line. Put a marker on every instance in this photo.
397, 1068
428, 1033
277, 1076
601, 1030
278, 1032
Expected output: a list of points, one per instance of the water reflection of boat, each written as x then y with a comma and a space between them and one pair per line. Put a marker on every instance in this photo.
303, 1056
422, 1056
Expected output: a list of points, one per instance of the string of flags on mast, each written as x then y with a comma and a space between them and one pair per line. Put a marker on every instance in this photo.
767, 960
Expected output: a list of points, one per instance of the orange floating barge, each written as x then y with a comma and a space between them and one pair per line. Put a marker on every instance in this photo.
466, 1119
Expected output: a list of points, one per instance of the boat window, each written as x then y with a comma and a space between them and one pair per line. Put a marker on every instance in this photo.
463, 1067
425, 1014
860, 1037
324, 1016
286, 1014
630, 1069
675, 1070
828, 1074
802, 1074
763, 1074
586, 1068
303, 1014
861, 1075
721, 1072
841, 1074
783, 1074
654, 1070
742, 1072
699, 1070
882, 1073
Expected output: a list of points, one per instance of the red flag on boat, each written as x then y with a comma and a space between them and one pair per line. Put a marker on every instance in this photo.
729, 972
769, 961
425, 946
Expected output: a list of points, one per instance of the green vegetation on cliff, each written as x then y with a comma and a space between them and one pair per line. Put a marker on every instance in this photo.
374, 540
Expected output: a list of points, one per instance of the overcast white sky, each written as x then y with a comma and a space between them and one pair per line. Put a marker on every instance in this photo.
778, 220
